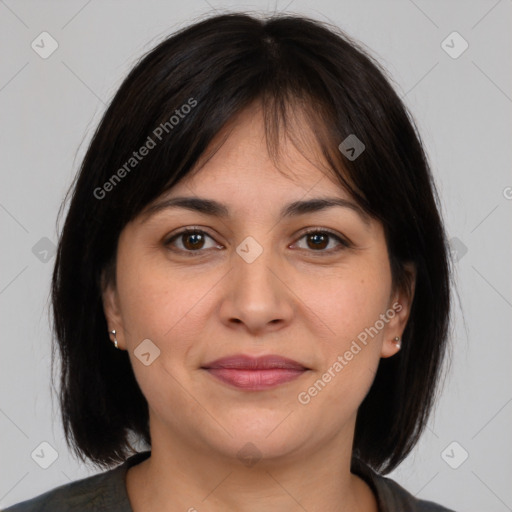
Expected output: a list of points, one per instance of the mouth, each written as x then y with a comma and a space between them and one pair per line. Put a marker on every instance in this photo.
255, 373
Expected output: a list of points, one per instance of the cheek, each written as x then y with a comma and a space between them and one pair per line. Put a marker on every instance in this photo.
162, 306
334, 396
169, 311
349, 300
350, 303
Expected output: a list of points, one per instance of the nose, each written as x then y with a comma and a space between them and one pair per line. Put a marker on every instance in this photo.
257, 297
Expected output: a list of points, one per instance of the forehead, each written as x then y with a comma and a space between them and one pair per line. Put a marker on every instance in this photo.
238, 157
238, 177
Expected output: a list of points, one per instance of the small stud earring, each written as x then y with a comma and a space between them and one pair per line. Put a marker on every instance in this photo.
397, 342
113, 331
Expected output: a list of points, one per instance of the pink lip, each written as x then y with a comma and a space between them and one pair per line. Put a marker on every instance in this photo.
255, 373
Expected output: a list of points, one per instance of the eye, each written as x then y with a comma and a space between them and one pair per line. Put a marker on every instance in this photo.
319, 240
191, 240
194, 240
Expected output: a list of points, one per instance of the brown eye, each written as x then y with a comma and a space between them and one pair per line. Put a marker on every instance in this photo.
191, 240
317, 240
323, 241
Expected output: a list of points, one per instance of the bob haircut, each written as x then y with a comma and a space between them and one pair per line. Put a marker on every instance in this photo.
173, 102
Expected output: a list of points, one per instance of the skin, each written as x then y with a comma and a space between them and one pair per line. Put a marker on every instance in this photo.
295, 300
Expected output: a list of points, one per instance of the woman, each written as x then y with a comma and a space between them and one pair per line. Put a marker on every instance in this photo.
254, 227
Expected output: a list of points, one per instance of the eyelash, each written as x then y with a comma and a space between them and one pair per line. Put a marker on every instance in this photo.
344, 244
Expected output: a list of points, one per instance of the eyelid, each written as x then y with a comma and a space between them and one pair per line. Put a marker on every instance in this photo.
342, 239
184, 231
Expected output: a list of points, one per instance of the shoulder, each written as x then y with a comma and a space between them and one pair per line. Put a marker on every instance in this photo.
105, 491
88, 494
392, 497
400, 499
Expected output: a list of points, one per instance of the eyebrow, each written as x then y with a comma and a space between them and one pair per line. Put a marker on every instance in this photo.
216, 209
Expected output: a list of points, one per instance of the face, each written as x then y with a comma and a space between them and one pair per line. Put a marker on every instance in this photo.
308, 290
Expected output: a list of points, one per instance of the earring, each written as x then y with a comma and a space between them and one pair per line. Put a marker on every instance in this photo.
113, 331
397, 342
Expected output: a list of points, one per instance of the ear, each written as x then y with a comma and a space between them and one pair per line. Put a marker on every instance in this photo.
398, 312
112, 309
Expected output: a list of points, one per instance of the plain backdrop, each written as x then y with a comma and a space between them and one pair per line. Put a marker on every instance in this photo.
461, 100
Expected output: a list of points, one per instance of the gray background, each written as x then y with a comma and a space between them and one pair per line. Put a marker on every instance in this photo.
50, 107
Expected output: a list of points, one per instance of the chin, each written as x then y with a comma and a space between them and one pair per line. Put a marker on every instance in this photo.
266, 434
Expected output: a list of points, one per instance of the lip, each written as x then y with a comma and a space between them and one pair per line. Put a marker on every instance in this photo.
255, 373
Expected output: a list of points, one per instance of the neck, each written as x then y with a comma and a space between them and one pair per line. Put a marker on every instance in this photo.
182, 477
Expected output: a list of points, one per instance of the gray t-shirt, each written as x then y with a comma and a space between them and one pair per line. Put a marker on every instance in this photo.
107, 492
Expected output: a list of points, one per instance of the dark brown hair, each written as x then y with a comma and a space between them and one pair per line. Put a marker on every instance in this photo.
218, 67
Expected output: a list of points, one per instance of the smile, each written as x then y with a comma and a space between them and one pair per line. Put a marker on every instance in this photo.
255, 374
